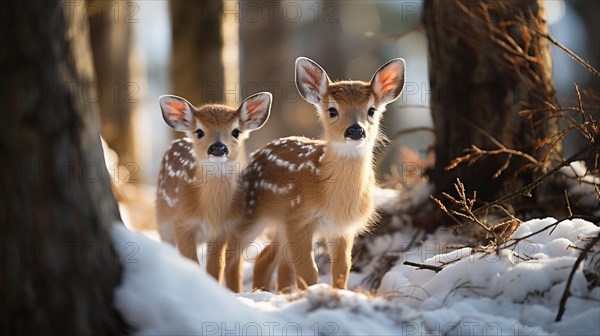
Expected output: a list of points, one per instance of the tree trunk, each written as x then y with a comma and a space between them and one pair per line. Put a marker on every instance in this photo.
59, 269
266, 65
196, 65
485, 67
111, 36
331, 40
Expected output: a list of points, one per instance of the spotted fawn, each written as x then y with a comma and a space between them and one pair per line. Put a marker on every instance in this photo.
305, 189
198, 180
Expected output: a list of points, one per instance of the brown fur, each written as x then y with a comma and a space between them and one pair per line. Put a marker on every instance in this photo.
305, 188
340, 191
203, 203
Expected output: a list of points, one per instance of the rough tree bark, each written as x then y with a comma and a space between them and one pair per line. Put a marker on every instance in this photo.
58, 269
485, 67
196, 65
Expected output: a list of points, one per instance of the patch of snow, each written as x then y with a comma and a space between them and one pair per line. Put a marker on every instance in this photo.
164, 293
515, 291
580, 186
519, 288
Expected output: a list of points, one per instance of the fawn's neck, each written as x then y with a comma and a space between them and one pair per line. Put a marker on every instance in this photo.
214, 188
349, 173
346, 186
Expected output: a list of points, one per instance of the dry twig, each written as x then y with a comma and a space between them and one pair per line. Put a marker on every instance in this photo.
567, 291
424, 266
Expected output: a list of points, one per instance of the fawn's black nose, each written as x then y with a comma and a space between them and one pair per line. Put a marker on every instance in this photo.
354, 132
217, 149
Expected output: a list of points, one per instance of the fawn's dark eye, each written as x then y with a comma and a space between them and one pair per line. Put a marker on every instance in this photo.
235, 133
199, 133
371, 112
333, 112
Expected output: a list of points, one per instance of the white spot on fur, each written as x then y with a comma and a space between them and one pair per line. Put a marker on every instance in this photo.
322, 156
184, 173
171, 201
275, 189
262, 151
310, 166
296, 201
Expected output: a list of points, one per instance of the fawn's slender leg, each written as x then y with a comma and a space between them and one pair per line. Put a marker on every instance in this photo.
234, 266
340, 252
264, 267
216, 259
285, 278
285, 273
186, 242
301, 255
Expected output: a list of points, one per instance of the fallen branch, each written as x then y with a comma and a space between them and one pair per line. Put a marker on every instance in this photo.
423, 266
567, 292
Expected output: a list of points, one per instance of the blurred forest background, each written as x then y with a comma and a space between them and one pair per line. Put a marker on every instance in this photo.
479, 77
213, 51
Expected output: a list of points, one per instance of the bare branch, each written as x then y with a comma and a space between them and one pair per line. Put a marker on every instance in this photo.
567, 291
423, 266
571, 54
526, 190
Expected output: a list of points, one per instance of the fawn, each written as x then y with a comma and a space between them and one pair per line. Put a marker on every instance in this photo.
322, 188
198, 180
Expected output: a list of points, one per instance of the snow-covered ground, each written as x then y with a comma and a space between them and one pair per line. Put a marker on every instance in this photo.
514, 292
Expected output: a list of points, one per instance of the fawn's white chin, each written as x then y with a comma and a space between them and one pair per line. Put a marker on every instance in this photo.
350, 148
356, 143
212, 158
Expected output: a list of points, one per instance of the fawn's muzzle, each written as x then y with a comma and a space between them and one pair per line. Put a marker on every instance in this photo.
354, 132
217, 149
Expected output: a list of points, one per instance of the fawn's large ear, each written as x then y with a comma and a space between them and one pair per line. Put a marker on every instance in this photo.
311, 80
177, 112
388, 81
255, 111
